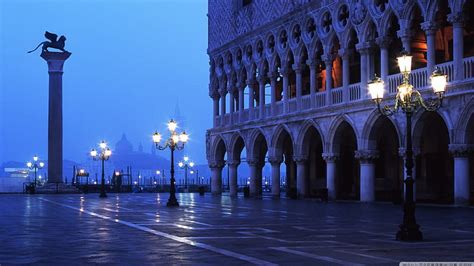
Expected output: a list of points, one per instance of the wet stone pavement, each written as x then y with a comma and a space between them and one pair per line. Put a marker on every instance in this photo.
204, 230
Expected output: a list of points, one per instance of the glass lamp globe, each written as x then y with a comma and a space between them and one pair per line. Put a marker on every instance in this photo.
172, 125
108, 152
35, 158
438, 81
376, 89
404, 62
175, 138
184, 137
41, 164
180, 164
29, 164
103, 145
191, 164
93, 153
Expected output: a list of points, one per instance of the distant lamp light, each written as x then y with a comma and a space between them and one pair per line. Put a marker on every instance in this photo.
175, 138
158, 172
156, 137
172, 125
35, 158
117, 173
41, 164
93, 153
29, 164
108, 152
186, 158
184, 137
180, 164
191, 164
103, 145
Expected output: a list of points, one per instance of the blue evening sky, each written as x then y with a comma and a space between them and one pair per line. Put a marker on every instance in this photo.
132, 60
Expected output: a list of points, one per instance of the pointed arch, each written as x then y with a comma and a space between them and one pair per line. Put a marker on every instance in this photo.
333, 128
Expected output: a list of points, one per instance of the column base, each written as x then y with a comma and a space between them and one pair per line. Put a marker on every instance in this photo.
409, 233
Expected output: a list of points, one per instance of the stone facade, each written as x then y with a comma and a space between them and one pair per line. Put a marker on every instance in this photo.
288, 83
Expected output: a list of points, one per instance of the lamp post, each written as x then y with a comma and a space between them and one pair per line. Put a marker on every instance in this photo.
409, 100
35, 165
186, 164
174, 142
103, 156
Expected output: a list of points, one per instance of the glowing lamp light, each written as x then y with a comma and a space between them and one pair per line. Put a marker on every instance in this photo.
29, 164
191, 164
156, 137
184, 137
103, 145
186, 158
117, 173
376, 89
181, 164
191, 172
93, 153
404, 62
175, 138
438, 81
405, 91
172, 125
41, 164
82, 171
108, 152
158, 172
35, 158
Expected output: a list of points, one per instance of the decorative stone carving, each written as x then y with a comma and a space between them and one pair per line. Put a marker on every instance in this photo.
366, 156
283, 39
461, 150
359, 12
330, 157
310, 28
326, 22
275, 160
343, 16
216, 164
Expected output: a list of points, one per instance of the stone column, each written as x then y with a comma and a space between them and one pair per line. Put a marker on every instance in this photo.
312, 80
462, 187
301, 176
251, 84
231, 89
384, 43
330, 159
457, 19
215, 100
223, 93
364, 54
367, 174
430, 32
405, 36
233, 164
241, 100
216, 177
345, 54
328, 59
275, 163
273, 81
55, 114
254, 175
285, 73
298, 68
261, 102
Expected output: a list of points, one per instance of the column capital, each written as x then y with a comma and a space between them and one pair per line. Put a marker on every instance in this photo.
300, 159
234, 163
457, 19
55, 60
328, 58
222, 92
429, 27
240, 85
345, 53
330, 156
313, 63
275, 160
273, 75
461, 150
383, 41
253, 162
363, 48
214, 94
251, 82
402, 152
216, 164
285, 71
261, 78
366, 156
298, 68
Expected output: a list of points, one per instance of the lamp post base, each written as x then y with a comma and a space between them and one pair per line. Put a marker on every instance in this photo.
172, 203
409, 233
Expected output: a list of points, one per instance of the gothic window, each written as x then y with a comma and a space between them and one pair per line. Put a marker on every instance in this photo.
296, 33
283, 39
259, 48
326, 22
310, 28
271, 43
381, 5
343, 15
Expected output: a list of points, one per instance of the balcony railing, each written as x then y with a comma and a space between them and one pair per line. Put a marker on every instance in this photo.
419, 78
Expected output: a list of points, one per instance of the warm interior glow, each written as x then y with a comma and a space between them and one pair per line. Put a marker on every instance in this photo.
404, 62
156, 137
172, 125
376, 89
438, 81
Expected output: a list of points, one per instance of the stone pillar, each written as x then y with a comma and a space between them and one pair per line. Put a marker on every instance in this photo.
457, 19
251, 84
215, 100
232, 90
330, 159
254, 168
405, 36
223, 93
344, 54
364, 54
216, 177
241, 101
298, 68
384, 43
328, 59
261, 89
233, 164
55, 114
367, 174
462, 187
273, 81
430, 32
302, 187
285, 73
312, 80
275, 162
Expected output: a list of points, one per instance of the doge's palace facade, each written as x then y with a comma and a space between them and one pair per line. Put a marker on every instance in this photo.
288, 82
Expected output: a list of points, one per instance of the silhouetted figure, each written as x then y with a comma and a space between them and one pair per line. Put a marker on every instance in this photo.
53, 42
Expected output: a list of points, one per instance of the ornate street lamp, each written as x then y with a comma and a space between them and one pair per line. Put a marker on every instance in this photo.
35, 166
103, 156
408, 99
186, 164
82, 173
174, 142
